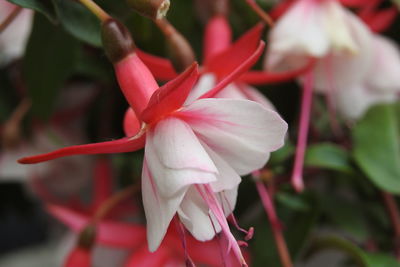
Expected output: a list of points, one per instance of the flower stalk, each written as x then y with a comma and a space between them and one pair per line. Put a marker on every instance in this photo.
96, 10
276, 225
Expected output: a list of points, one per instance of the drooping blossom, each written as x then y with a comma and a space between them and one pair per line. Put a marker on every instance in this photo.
194, 153
14, 37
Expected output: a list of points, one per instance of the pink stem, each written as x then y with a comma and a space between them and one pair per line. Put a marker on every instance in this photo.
275, 224
306, 103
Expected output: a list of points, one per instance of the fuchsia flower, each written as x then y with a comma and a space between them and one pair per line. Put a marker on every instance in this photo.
194, 153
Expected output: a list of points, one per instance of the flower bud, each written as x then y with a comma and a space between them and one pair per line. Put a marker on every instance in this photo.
179, 49
117, 40
153, 9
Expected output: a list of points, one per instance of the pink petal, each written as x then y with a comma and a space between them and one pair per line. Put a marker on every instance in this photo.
241, 132
217, 37
245, 65
170, 96
161, 68
159, 210
176, 158
229, 60
131, 123
127, 144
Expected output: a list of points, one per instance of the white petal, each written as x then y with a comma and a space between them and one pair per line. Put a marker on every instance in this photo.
227, 177
343, 69
244, 91
355, 101
384, 73
176, 158
241, 132
196, 217
13, 39
206, 82
159, 210
301, 30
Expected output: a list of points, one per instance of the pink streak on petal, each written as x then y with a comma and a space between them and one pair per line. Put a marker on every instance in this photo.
170, 96
131, 123
263, 77
217, 37
239, 70
208, 195
136, 82
306, 103
224, 63
161, 68
127, 144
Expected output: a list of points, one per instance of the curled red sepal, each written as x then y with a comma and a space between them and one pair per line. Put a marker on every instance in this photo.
170, 96
127, 144
263, 77
160, 67
239, 70
109, 233
227, 61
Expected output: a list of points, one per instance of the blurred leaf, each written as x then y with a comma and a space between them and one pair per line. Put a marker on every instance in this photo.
329, 156
345, 214
297, 227
282, 154
294, 202
42, 6
48, 61
377, 147
356, 254
381, 260
78, 21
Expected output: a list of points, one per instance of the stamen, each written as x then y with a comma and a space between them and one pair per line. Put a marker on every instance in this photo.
209, 197
182, 235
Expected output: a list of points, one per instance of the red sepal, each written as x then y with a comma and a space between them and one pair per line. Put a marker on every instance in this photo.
242, 68
109, 233
161, 68
263, 77
170, 96
127, 144
78, 257
229, 60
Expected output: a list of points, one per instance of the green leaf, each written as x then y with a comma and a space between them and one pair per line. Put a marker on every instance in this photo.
78, 21
356, 254
328, 156
377, 147
48, 62
42, 6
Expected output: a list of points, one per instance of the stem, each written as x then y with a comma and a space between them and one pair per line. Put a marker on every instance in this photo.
392, 209
111, 202
260, 12
12, 127
10, 18
95, 9
306, 103
275, 224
